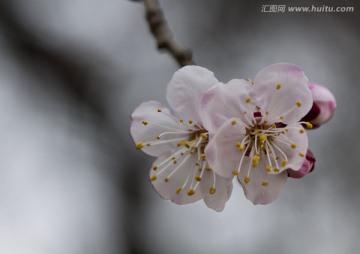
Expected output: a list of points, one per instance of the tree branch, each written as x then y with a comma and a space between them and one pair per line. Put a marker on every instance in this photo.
163, 35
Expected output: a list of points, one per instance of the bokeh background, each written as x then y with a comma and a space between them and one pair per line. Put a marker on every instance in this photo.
72, 72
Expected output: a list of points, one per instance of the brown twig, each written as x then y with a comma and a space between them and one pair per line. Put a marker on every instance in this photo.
163, 35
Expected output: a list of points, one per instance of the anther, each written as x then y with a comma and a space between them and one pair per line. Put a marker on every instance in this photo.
293, 146
139, 145
153, 178
268, 168
144, 123
181, 121
276, 170
281, 118
301, 131
262, 138
166, 179
204, 135
235, 172
148, 144
247, 180
265, 183
233, 122
309, 125
212, 190
248, 99
198, 178
178, 190
301, 155
158, 137
203, 156
283, 163
159, 110
190, 121
278, 86
298, 104
208, 169
191, 192
154, 167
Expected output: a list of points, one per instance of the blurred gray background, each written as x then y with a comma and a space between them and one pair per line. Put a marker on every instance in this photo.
72, 72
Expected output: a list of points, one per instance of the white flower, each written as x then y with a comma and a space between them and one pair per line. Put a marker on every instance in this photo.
179, 139
258, 133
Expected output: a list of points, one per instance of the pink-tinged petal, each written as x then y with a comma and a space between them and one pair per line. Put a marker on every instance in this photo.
186, 88
168, 178
148, 124
215, 197
307, 166
224, 101
222, 152
323, 107
282, 93
259, 186
291, 147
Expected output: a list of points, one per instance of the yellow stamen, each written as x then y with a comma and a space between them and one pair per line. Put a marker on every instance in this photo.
299, 104
153, 178
139, 145
293, 146
144, 123
190, 121
212, 190
268, 168
309, 125
276, 170
235, 172
262, 138
159, 110
198, 178
155, 168
265, 183
301, 155
166, 180
283, 163
278, 86
248, 99
204, 135
191, 192
178, 190
203, 156
233, 122
247, 180
301, 131
208, 169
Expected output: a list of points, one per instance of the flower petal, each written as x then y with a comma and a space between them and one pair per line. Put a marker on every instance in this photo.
186, 88
224, 101
291, 147
307, 166
261, 187
282, 93
148, 125
215, 197
172, 181
324, 105
222, 153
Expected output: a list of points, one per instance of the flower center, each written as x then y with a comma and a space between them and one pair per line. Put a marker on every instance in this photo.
187, 156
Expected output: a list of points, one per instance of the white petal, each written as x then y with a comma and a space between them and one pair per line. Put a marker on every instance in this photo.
222, 154
282, 93
224, 101
262, 187
186, 88
223, 189
167, 182
157, 123
294, 143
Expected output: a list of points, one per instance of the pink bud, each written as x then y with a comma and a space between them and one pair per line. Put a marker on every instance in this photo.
307, 166
323, 107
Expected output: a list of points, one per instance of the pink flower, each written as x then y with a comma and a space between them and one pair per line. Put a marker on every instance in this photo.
179, 138
323, 107
307, 166
258, 135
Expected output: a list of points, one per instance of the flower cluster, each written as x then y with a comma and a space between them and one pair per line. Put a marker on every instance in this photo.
213, 132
